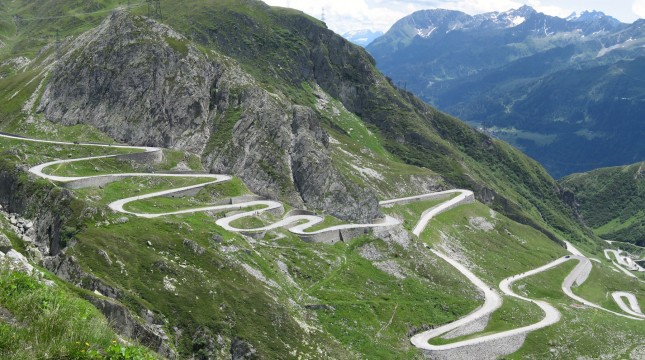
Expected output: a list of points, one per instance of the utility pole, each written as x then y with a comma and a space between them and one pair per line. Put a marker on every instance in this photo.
154, 9
58, 44
158, 9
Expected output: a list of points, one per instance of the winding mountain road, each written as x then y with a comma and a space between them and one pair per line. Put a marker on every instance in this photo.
492, 300
633, 308
623, 263
118, 206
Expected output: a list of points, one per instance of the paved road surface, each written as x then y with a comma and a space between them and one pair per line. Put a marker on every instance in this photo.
492, 300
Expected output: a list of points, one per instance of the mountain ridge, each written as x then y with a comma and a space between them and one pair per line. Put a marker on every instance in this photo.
621, 190
485, 79
301, 115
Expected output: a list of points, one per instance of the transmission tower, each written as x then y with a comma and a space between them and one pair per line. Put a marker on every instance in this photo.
322, 17
154, 9
58, 44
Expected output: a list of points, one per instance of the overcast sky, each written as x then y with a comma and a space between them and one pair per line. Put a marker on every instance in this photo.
344, 15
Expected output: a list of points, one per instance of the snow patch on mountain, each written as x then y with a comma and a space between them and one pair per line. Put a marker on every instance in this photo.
425, 33
518, 20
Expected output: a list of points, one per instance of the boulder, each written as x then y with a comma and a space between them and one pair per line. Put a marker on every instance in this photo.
5, 243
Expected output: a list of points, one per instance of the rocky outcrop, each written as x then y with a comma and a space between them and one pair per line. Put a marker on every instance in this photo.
136, 80
242, 350
5, 243
147, 331
47, 205
127, 325
145, 84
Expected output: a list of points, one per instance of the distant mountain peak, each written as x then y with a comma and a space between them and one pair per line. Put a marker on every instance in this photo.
362, 37
524, 10
591, 16
513, 17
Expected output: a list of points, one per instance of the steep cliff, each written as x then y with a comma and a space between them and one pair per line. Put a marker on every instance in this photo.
274, 97
143, 83
248, 104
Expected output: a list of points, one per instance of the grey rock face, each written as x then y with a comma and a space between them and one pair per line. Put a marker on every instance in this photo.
136, 80
49, 209
310, 160
150, 335
142, 83
5, 244
242, 350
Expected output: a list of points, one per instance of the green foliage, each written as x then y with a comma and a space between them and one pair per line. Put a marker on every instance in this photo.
612, 201
204, 279
411, 213
52, 322
605, 333
327, 222
206, 196
223, 129
178, 45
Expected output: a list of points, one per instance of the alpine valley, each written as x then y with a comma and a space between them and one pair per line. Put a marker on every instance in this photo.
222, 179
568, 92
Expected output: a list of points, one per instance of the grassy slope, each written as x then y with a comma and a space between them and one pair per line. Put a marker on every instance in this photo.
612, 201
510, 248
209, 284
405, 130
54, 320
324, 284
602, 335
335, 276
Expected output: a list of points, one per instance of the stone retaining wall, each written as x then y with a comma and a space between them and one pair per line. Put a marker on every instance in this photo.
296, 212
414, 199
327, 237
185, 193
488, 350
151, 157
93, 181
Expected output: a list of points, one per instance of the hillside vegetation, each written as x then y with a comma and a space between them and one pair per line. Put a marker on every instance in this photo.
612, 201
292, 112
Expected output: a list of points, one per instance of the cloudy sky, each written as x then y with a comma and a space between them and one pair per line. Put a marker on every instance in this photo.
344, 15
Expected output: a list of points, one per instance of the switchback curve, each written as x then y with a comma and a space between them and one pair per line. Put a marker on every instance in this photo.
492, 299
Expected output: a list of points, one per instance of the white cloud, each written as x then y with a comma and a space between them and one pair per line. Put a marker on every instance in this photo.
552, 10
345, 15
639, 8
482, 6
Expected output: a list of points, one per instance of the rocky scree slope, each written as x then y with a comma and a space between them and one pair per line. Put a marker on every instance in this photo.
143, 83
247, 103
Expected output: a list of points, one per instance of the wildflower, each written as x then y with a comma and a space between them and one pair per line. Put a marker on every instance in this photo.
87, 344
113, 341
